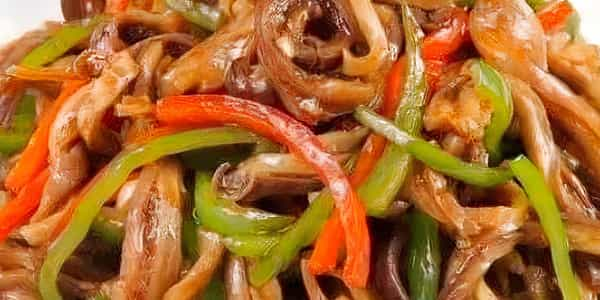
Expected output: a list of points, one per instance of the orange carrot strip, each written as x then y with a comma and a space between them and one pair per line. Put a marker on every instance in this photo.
17, 211
35, 156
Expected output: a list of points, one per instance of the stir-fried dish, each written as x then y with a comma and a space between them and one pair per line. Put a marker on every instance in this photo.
301, 149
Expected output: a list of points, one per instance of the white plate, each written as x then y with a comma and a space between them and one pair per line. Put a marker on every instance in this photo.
17, 16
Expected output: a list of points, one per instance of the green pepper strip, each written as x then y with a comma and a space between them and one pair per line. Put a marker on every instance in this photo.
189, 238
491, 86
423, 257
215, 289
107, 182
227, 218
100, 296
15, 138
251, 245
57, 45
573, 27
108, 230
465, 3
307, 228
388, 176
300, 235
199, 13
544, 204
537, 4
432, 155
53, 48
303, 233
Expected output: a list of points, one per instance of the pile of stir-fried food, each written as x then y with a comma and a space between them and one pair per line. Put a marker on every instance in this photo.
301, 149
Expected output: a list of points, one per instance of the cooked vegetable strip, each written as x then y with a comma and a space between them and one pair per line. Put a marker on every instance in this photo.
432, 155
34, 157
189, 237
327, 246
324, 256
199, 13
16, 212
492, 86
14, 139
108, 230
381, 188
536, 4
443, 43
42, 74
300, 235
251, 245
100, 189
227, 218
272, 123
412, 100
423, 257
375, 145
544, 204
440, 46
556, 16
57, 45
388, 175
116, 6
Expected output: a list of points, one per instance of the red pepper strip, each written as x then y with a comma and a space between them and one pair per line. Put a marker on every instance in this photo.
204, 110
324, 256
556, 16
35, 156
441, 45
17, 211
116, 6
375, 144
438, 50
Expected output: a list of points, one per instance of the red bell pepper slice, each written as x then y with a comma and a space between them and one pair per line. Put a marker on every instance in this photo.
116, 6
440, 46
375, 144
324, 256
206, 110
438, 50
556, 16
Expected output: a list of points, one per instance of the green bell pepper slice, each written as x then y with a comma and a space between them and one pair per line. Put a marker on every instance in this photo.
390, 172
544, 204
226, 217
13, 139
492, 86
199, 13
57, 45
432, 155
251, 245
107, 182
424, 261
108, 230
300, 235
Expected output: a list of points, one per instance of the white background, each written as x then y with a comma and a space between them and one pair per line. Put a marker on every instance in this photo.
19, 15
